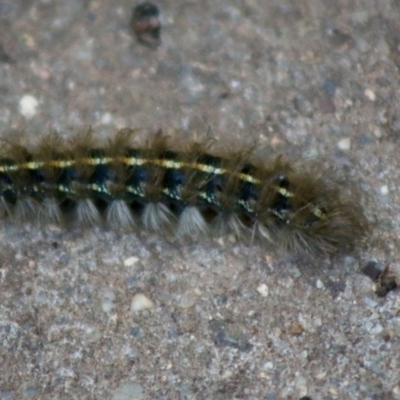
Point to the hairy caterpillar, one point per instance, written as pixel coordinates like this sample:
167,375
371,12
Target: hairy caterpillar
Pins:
192,189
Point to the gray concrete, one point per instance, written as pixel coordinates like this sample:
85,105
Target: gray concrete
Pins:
225,321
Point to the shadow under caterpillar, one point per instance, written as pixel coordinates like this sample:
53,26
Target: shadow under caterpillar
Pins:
191,189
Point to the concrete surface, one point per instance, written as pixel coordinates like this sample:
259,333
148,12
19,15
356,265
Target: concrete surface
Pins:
223,321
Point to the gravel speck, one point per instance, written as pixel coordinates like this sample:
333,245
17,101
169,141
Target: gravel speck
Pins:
141,302
263,290
344,144
31,392
128,391
28,106
370,94
320,284
107,303
7,395
384,190
131,261
137,331
295,272
301,385
92,335
188,300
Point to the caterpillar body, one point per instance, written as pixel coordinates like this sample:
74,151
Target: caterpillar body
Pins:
192,189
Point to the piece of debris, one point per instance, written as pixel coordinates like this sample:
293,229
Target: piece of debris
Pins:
146,24
384,279
5,57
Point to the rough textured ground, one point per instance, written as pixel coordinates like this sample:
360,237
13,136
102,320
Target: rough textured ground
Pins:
228,321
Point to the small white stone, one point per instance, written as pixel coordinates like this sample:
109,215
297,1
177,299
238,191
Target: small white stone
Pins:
384,190
344,144
141,302
131,261
268,365
235,84
263,290
220,241
370,94
377,132
106,118
304,354
320,284
321,375
28,106
317,322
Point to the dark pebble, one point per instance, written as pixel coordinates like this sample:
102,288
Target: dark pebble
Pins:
146,24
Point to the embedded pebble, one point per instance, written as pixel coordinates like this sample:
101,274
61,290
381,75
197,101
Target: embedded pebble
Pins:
295,329
287,282
321,375
145,22
131,261
301,385
370,302
137,331
92,335
320,284
31,392
263,290
370,94
350,262
188,300
7,395
311,154
28,106
128,391
344,144
109,294
384,190
106,118
295,272
131,281
141,302
268,365
107,302
42,298
376,330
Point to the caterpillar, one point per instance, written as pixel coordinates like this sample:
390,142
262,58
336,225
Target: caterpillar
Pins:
191,189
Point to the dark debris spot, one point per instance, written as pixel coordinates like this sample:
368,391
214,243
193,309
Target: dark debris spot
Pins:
372,270
336,288
146,24
5,57
337,37
384,279
136,331
329,87
222,338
